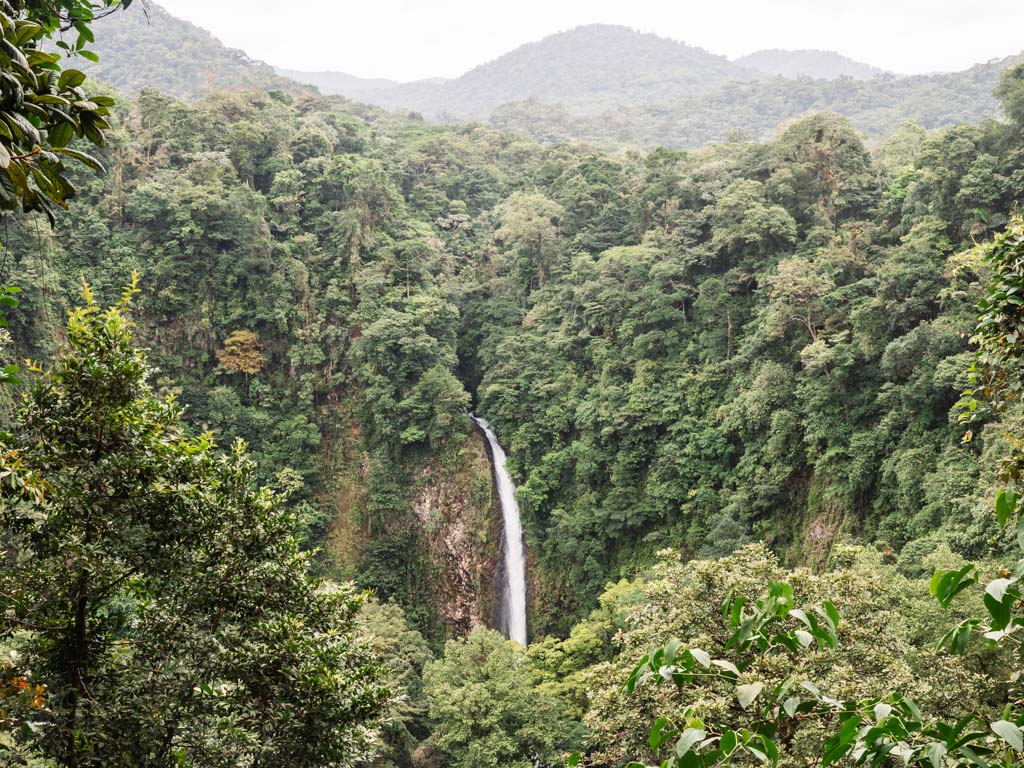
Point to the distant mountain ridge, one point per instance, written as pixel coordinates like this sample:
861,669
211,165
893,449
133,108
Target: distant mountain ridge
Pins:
756,110
588,68
591,66
606,85
823,65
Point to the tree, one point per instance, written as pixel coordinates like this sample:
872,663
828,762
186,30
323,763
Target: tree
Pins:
745,222
1011,92
486,712
764,682
8,373
824,170
796,294
528,224
44,108
404,652
996,384
158,600
403,361
995,374
242,353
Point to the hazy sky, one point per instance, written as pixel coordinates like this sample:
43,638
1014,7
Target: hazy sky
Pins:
409,39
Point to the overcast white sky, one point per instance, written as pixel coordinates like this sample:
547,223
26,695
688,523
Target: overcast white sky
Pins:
410,39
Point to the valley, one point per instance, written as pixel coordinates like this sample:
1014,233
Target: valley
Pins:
556,414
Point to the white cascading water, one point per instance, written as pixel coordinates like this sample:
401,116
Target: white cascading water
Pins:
513,606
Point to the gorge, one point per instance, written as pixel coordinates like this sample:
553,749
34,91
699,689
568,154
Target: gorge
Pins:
249,514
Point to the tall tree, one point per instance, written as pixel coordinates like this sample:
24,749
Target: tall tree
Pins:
486,711
528,225
1011,91
157,598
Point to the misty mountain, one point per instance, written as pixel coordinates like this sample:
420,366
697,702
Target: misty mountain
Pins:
421,95
339,82
755,110
587,69
606,85
822,65
140,49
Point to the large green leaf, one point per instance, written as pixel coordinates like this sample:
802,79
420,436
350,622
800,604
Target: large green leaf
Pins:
1010,733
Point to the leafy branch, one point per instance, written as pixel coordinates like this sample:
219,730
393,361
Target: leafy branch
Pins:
870,732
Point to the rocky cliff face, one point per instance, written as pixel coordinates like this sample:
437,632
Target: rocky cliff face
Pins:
455,511
460,521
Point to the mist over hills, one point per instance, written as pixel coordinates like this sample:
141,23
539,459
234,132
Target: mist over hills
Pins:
755,110
608,85
341,83
588,69
823,65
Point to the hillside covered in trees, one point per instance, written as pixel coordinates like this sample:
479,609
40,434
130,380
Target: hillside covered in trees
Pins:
145,46
724,341
246,519
756,109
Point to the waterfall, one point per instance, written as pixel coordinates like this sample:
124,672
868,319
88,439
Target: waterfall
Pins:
513,599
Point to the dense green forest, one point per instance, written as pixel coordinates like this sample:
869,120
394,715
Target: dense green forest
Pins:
760,340
245,519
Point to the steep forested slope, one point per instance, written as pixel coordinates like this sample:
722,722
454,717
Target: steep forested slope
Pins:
775,356
751,341
146,47
283,275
